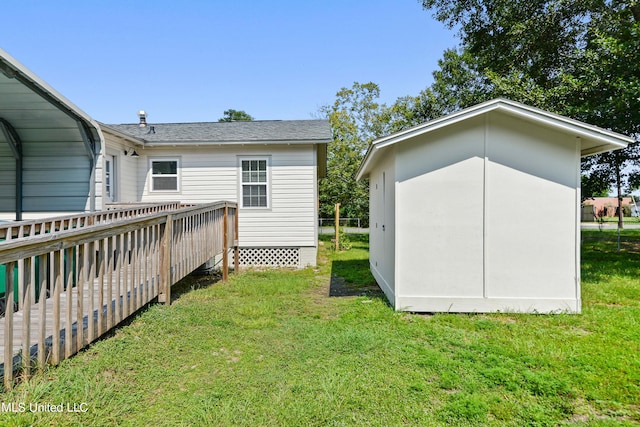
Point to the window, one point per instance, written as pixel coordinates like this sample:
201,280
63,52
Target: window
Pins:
110,178
254,183
164,175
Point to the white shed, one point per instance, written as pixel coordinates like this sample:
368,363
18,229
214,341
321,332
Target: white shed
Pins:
479,211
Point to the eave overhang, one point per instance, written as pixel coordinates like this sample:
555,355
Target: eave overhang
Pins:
593,140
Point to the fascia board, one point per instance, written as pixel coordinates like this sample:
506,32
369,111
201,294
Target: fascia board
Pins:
610,140
231,143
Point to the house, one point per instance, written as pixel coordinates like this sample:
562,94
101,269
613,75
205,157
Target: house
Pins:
479,211
56,160
271,168
608,206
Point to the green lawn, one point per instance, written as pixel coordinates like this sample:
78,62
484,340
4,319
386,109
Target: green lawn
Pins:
271,348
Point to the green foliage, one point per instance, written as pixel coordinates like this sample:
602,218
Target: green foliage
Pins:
344,243
357,118
594,185
355,122
572,58
235,116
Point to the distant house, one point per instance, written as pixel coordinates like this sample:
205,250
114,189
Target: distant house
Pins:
271,168
504,234
55,160
608,206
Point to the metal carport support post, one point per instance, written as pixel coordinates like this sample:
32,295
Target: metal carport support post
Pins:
15,144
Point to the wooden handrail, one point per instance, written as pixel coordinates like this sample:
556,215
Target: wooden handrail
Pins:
19,229
90,272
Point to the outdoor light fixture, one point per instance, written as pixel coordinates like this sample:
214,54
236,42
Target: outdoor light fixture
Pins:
131,152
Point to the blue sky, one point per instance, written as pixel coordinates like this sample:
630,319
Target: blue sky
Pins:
190,60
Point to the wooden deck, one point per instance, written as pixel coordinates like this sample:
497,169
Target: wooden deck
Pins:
74,281
99,316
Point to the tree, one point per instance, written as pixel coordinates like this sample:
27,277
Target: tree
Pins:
355,121
357,118
235,116
572,57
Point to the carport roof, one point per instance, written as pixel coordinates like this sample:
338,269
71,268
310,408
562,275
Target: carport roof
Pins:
593,139
28,102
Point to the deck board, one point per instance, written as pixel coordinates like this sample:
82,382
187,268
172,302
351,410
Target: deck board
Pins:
149,289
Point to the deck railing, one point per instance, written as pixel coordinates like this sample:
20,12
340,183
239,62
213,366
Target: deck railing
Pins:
114,212
71,284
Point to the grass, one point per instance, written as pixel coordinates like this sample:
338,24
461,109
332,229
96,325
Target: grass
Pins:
625,219
271,348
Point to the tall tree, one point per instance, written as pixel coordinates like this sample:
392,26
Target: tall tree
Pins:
355,121
571,57
357,118
235,116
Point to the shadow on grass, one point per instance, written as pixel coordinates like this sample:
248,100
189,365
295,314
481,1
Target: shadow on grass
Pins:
600,257
350,274
195,281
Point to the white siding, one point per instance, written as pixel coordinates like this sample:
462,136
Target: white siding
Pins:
126,173
212,173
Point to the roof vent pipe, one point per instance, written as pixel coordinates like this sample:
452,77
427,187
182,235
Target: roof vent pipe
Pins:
143,118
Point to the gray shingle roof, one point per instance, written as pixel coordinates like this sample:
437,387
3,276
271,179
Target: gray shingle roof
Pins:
264,131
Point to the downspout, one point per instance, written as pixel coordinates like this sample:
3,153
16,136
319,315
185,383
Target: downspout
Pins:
15,144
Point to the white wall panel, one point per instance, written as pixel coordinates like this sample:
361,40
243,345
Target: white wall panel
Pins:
531,214
440,214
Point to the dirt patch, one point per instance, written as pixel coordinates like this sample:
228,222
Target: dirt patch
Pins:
339,288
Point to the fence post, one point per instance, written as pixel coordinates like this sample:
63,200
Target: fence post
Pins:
164,294
225,245
337,227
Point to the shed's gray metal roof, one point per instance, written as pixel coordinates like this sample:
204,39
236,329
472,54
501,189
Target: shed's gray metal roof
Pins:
258,131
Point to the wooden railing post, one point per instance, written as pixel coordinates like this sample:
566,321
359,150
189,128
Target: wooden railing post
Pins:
225,245
164,294
29,281
236,249
8,325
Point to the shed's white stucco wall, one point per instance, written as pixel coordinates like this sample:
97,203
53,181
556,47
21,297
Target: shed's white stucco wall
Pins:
382,225
440,215
486,215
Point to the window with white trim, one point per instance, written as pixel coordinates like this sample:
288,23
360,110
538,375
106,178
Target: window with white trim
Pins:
164,175
254,183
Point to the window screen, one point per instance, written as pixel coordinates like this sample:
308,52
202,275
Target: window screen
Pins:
254,183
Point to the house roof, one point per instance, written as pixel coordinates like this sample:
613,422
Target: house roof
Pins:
593,140
28,102
240,132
